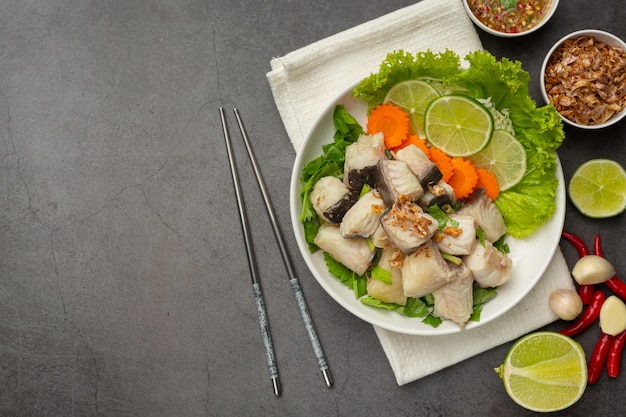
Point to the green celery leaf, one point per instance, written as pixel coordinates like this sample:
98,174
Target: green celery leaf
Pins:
479,297
429,300
501,245
381,274
482,295
414,307
433,321
337,269
375,302
475,316
480,234
442,217
360,286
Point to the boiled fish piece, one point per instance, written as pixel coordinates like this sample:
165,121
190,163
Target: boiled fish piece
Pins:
394,178
489,266
425,271
423,168
363,218
440,193
407,226
379,238
388,293
485,214
361,159
331,199
454,301
355,254
458,236
376,140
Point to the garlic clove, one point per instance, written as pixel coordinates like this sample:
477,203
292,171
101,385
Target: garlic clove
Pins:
592,269
613,316
565,303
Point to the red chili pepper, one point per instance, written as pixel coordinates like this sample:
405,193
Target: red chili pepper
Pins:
615,355
615,284
597,247
585,291
591,314
577,242
598,358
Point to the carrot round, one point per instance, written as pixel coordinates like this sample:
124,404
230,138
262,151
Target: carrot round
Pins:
392,121
489,182
464,179
443,162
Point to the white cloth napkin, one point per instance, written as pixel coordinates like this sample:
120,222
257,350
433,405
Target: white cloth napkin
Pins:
304,81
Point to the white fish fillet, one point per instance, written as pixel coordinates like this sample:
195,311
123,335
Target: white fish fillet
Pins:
353,253
425,271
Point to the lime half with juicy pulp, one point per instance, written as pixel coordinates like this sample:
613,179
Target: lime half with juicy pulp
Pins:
458,125
598,188
504,157
544,371
413,97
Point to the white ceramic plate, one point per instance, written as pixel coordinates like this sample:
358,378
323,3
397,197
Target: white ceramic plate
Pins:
530,256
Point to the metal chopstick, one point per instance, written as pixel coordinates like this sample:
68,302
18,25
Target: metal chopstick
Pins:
256,285
293,280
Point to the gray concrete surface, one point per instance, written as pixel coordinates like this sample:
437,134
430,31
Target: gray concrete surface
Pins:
124,289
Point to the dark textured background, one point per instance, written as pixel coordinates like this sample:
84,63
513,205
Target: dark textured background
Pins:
124,289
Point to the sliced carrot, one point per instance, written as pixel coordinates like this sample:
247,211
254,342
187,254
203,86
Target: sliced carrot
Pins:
464,179
489,182
392,121
443,162
417,141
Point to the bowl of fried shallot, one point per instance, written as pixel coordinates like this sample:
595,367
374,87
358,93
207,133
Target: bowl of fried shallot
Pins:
584,77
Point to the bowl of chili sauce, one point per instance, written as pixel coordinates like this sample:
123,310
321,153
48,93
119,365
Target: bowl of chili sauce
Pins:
510,18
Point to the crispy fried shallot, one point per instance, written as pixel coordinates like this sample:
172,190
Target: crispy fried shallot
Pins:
585,80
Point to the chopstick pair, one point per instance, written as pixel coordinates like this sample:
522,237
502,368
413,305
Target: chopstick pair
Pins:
256,285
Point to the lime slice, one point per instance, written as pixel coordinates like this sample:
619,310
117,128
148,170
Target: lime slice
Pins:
458,125
413,97
504,157
598,188
544,371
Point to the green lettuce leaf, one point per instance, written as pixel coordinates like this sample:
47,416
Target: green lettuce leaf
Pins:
401,66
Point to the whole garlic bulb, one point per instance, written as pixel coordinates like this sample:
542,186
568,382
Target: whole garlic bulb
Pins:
565,303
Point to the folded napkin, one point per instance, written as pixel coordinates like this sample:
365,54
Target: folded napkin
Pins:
304,81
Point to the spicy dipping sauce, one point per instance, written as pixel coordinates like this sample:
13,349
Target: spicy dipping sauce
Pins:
509,16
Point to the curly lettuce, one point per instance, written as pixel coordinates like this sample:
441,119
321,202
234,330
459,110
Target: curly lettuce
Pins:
531,202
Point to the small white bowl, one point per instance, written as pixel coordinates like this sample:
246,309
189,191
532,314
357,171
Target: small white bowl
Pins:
547,16
599,35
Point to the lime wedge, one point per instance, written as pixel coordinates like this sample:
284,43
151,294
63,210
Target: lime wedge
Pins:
544,371
413,97
458,125
598,188
504,157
